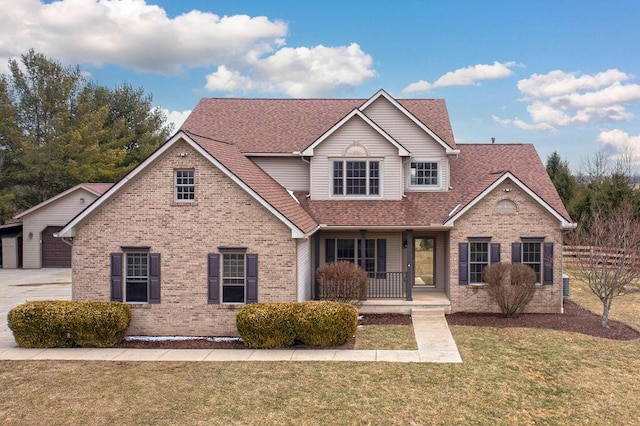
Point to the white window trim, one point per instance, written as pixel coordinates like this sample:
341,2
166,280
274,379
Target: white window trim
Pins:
488,243
414,187
344,177
175,186
125,276
541,263
222,277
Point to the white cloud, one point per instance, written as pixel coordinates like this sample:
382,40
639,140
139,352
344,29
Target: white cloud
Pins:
464,77
569,99
523,125
622,143
134,34
299,72
176,117
248,52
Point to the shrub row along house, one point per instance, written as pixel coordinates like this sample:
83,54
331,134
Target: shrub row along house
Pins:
252,195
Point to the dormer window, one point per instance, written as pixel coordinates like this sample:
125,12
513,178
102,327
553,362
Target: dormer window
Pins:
424,173
356,178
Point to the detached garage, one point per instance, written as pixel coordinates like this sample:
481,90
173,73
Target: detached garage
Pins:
40,248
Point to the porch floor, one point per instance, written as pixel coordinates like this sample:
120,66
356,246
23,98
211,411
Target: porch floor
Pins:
422,299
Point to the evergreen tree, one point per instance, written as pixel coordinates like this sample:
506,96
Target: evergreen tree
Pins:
561,177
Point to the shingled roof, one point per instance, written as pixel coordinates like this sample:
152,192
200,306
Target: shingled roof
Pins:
258,180
290,125
473,171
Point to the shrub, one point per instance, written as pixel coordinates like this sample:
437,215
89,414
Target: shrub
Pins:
325,323
277,324
342,282
512,286
62,323
267,325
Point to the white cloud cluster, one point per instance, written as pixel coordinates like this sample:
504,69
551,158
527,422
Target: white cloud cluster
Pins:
622,143
464,77
134,34
176,117
298,72
565,99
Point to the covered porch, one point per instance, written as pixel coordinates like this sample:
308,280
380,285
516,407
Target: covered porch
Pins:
406,268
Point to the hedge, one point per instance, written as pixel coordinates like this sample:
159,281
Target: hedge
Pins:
63,324
279,324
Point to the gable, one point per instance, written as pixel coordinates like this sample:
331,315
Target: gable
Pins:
367,129
233,164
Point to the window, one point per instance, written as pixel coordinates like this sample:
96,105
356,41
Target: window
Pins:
356,178
233,277
532,256
478,260
348,250
424,173
506,206
135,276
185,185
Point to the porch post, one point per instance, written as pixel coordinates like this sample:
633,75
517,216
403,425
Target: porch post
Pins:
411,276
316,265
363,249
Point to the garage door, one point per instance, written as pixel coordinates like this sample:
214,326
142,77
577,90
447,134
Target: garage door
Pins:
55,252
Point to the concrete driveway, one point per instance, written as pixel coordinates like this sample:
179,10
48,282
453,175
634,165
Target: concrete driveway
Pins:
20,285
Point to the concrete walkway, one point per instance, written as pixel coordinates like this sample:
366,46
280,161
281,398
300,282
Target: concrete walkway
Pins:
435,343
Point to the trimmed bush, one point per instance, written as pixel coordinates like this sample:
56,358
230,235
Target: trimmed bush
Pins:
267,325
278,324
64,324
325,323
511,286
342,282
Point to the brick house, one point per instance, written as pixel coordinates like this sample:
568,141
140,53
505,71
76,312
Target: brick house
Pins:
252,195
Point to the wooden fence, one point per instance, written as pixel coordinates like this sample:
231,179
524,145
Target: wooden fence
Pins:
612,256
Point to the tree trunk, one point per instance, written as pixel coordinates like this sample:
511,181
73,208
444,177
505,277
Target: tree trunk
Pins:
606,306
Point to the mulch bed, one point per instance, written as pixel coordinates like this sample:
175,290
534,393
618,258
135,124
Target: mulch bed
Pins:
575,318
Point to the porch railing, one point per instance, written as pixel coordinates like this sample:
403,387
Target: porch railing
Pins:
387,285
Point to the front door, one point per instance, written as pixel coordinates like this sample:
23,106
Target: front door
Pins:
425,262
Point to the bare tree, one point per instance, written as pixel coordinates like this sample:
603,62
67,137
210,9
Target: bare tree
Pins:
608,256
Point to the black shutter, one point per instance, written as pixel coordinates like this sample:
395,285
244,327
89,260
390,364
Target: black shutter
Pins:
116,277
495,252
516,253
213,278
252,278
463,263
548,263
381,255
154,277
330,250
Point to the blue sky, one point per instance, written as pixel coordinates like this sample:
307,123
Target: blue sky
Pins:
563,75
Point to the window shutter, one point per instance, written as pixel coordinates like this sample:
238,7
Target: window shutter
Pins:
495,252
252,278
116,277
516,253
381,255
330,250
154,277
463,263
213,278
548,263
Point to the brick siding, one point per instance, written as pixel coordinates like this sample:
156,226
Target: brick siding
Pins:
530,220
223,215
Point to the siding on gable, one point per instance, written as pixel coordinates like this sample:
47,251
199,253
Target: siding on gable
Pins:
57,213
408,134
304,269
292,173
333,148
